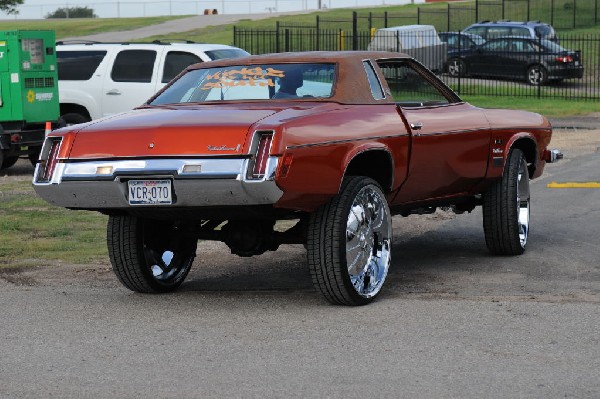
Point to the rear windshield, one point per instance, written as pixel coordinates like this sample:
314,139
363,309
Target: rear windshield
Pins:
544,31
78,65
251,82
226,53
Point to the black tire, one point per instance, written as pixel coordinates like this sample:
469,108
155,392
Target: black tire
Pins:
506,208
34,156
149,256
7,162
355,224
537,75
456,67
73,118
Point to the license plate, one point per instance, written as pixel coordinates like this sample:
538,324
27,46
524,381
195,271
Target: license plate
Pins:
149,192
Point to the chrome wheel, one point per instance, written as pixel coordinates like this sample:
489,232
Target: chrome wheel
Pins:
506,208
349,243
368,236
523,200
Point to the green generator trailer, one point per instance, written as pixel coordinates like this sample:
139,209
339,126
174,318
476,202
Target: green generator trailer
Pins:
28,93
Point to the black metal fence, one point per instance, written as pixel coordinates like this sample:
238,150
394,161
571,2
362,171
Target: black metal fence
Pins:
511,73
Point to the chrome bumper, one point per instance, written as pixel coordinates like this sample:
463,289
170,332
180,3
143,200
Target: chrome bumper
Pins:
195,182
552,156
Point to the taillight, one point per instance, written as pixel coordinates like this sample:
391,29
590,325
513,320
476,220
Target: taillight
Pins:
50,163
565,59
258,165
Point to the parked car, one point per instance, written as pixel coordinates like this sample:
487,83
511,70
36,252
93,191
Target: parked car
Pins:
532,29
460,41
537,61
337,141
100,79
419,41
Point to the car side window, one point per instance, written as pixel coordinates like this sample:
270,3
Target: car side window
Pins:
497,31
520,32
376,89
497,45
177,61
477,30
78,65
409,87
134,66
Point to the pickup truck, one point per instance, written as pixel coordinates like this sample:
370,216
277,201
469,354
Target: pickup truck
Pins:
337,142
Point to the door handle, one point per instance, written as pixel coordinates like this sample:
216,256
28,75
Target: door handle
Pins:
113,92
416,126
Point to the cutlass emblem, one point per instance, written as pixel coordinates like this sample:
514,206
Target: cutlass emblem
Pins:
223,148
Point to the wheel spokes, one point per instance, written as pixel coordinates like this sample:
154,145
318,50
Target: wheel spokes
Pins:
368,232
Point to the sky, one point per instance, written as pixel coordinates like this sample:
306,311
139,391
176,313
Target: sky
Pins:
38,9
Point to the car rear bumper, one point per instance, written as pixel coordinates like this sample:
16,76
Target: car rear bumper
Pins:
566,73
211,182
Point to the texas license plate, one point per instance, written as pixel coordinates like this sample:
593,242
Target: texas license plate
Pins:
149,192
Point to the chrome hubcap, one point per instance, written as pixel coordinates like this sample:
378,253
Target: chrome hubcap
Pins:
454,68
523,199
368,239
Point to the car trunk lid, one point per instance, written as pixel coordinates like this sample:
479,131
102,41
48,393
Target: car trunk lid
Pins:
168,132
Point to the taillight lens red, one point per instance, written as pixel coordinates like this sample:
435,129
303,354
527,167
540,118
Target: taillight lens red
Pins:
50,163
565,59
261,156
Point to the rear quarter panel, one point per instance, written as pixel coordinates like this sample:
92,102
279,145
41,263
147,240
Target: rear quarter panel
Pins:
324,144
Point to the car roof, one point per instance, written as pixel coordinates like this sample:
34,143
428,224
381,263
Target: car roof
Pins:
511,23
88,44
355,87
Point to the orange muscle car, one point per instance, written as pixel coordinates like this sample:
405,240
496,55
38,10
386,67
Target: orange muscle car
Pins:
338,141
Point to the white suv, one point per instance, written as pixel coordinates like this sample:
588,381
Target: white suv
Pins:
100,79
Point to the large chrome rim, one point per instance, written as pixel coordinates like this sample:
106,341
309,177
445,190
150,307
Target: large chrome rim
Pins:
523,201
368,241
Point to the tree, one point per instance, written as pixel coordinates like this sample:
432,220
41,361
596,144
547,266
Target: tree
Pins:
10,6
73,12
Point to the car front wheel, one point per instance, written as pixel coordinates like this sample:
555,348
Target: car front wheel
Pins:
456,67
149,256
349,243
506,208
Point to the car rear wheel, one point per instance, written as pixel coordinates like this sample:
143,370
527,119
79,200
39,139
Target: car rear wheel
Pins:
7,162
73,118
537,75
349,243
456,67
506,208
149,256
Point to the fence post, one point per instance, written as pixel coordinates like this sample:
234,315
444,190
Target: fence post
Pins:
354,31
277,40
448,19
318,33
385,19
552,13
477,10
418,15
235,42
528,10
370,20
287,40
574,13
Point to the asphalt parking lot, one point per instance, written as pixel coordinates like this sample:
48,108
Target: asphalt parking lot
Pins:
452,320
